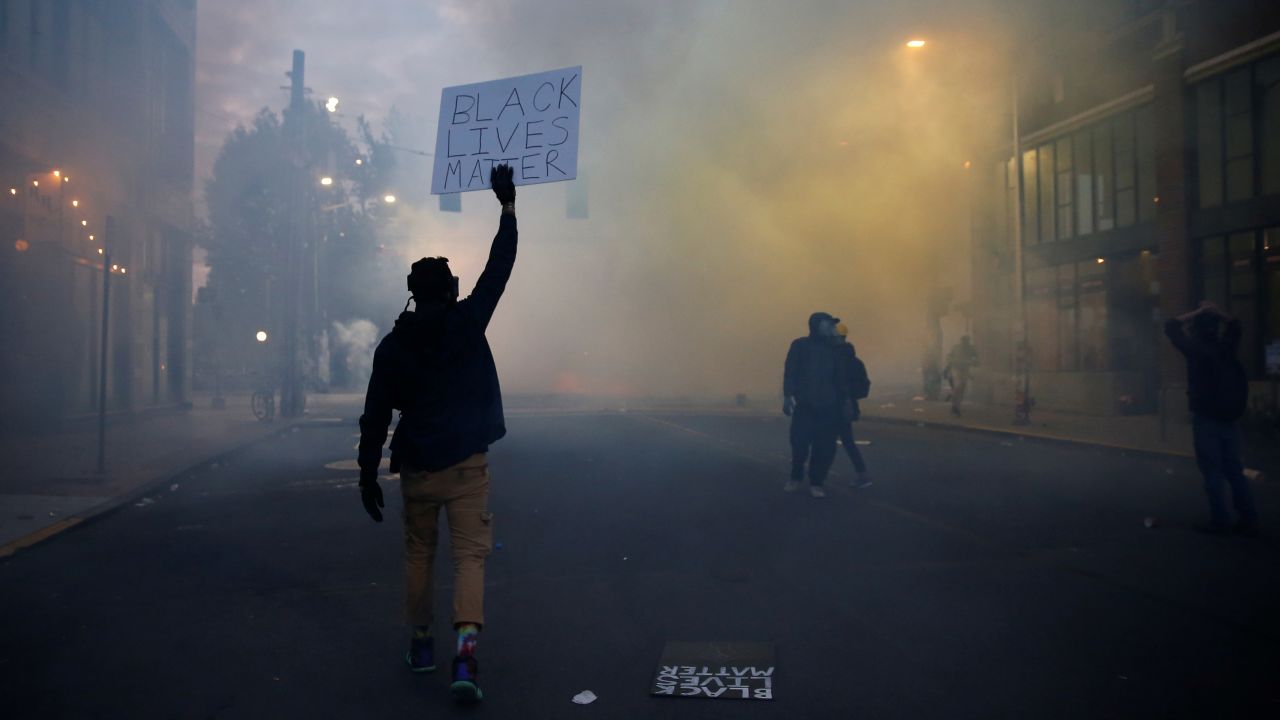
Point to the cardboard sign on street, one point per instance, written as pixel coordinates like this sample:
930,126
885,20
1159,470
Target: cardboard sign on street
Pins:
528,122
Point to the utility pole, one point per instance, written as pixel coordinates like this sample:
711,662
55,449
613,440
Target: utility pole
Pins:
291,391
108,237
1021,349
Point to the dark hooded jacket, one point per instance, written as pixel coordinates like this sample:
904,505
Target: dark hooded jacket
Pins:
1217,385
436,368
813,374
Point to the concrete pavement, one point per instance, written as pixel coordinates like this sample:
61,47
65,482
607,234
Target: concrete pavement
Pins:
976,578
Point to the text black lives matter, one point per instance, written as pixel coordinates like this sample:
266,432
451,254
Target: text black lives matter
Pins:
529,146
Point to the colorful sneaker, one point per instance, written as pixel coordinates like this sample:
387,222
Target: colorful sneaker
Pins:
466,685
421,656
817,491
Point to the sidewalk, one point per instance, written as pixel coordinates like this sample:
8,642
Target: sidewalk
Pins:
49,483
1140,433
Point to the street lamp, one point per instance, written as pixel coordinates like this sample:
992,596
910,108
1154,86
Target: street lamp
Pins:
389,199
331,104
326,181
915,43
261,336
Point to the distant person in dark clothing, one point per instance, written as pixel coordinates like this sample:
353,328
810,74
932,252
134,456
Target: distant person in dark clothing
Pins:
814,393
859,386
1218,391
961,361
436,368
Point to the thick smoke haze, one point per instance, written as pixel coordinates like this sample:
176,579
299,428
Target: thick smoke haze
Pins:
747,163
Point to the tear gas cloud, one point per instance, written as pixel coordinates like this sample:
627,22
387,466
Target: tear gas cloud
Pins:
747,163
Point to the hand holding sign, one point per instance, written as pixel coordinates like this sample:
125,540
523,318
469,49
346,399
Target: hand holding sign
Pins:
529,123
503,187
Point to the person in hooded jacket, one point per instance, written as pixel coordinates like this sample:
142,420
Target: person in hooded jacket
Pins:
859,386
436,368
814,393
1218,392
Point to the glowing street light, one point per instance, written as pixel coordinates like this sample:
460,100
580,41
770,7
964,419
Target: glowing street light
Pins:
13,191
326,181
359,161
90,237
84,223
331,104
35,183
915,43
124,271
57,173
261,336
75,203
389,199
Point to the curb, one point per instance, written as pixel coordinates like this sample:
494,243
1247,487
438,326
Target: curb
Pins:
113,503
1008,432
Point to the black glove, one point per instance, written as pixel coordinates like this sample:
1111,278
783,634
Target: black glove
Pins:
503,186
371,496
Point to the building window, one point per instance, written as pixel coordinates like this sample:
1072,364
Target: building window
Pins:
1126,168
1268,86
1082,148
1271,313
1045,164
1241,274
1242,284
1239,137
1030,206
1209,142
1068,353
1042,318
1147,191
1064,184
1103,179
1091,294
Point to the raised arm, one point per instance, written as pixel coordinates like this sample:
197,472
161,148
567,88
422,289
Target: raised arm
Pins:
483,300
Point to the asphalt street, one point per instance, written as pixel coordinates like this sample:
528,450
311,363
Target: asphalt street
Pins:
979,577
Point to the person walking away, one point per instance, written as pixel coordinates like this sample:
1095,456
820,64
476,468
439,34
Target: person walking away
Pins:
436,368
813,393
859,386
1218,392
962,359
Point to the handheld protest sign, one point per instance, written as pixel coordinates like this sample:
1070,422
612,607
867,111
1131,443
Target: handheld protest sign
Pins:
528,122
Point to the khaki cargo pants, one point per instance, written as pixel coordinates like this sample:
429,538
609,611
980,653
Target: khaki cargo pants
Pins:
463,492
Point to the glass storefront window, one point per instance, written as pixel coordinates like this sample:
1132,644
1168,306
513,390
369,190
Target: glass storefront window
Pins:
1147,191
1213,270
1091,306
1242,284
1042,325
1067,351
1271,278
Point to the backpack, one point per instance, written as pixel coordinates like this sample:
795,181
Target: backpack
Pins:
860,385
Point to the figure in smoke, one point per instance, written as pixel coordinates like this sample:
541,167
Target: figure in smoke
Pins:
961,361
814,393
436,368
1218,392
859,386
